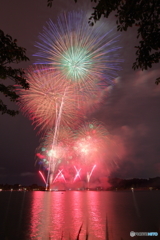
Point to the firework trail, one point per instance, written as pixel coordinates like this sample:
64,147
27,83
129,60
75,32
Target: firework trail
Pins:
52,163
58,174
89,174
77,174
42,177
62,176
65,137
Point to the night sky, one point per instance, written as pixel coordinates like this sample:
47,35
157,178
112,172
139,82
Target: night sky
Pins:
130,112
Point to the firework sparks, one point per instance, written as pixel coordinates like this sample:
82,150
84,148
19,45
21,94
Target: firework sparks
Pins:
48,99
89,174
77,174
75,68
54,150
61,176
91,142
42,177
82,54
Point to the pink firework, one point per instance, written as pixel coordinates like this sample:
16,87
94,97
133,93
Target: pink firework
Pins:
49,98
54,149
59,175
91,142
89,174
42,177
77,174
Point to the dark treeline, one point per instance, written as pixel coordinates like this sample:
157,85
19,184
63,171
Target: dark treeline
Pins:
17,187
134,183
115,184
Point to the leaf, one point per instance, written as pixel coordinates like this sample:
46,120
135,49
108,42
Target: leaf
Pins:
10,53
157,81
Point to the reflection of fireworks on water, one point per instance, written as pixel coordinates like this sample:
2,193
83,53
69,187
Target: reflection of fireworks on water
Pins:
91,142
47,94
82,54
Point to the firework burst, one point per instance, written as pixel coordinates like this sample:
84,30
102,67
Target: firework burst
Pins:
48,99
55,149
91,142
75,68
83,55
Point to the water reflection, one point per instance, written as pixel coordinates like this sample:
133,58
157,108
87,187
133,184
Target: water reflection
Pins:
61,214
120,213
38,209
104,215
57,213
96,218
78,216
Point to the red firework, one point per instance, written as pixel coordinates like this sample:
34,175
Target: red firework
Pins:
91,142
55,148
49,99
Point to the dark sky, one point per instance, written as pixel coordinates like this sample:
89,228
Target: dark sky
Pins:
130,112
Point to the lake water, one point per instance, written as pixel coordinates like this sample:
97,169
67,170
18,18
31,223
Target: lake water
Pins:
59,215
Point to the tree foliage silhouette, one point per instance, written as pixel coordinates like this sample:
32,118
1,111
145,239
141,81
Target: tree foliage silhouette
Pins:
142,14
11,54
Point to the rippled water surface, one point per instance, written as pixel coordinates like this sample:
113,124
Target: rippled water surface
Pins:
60,215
